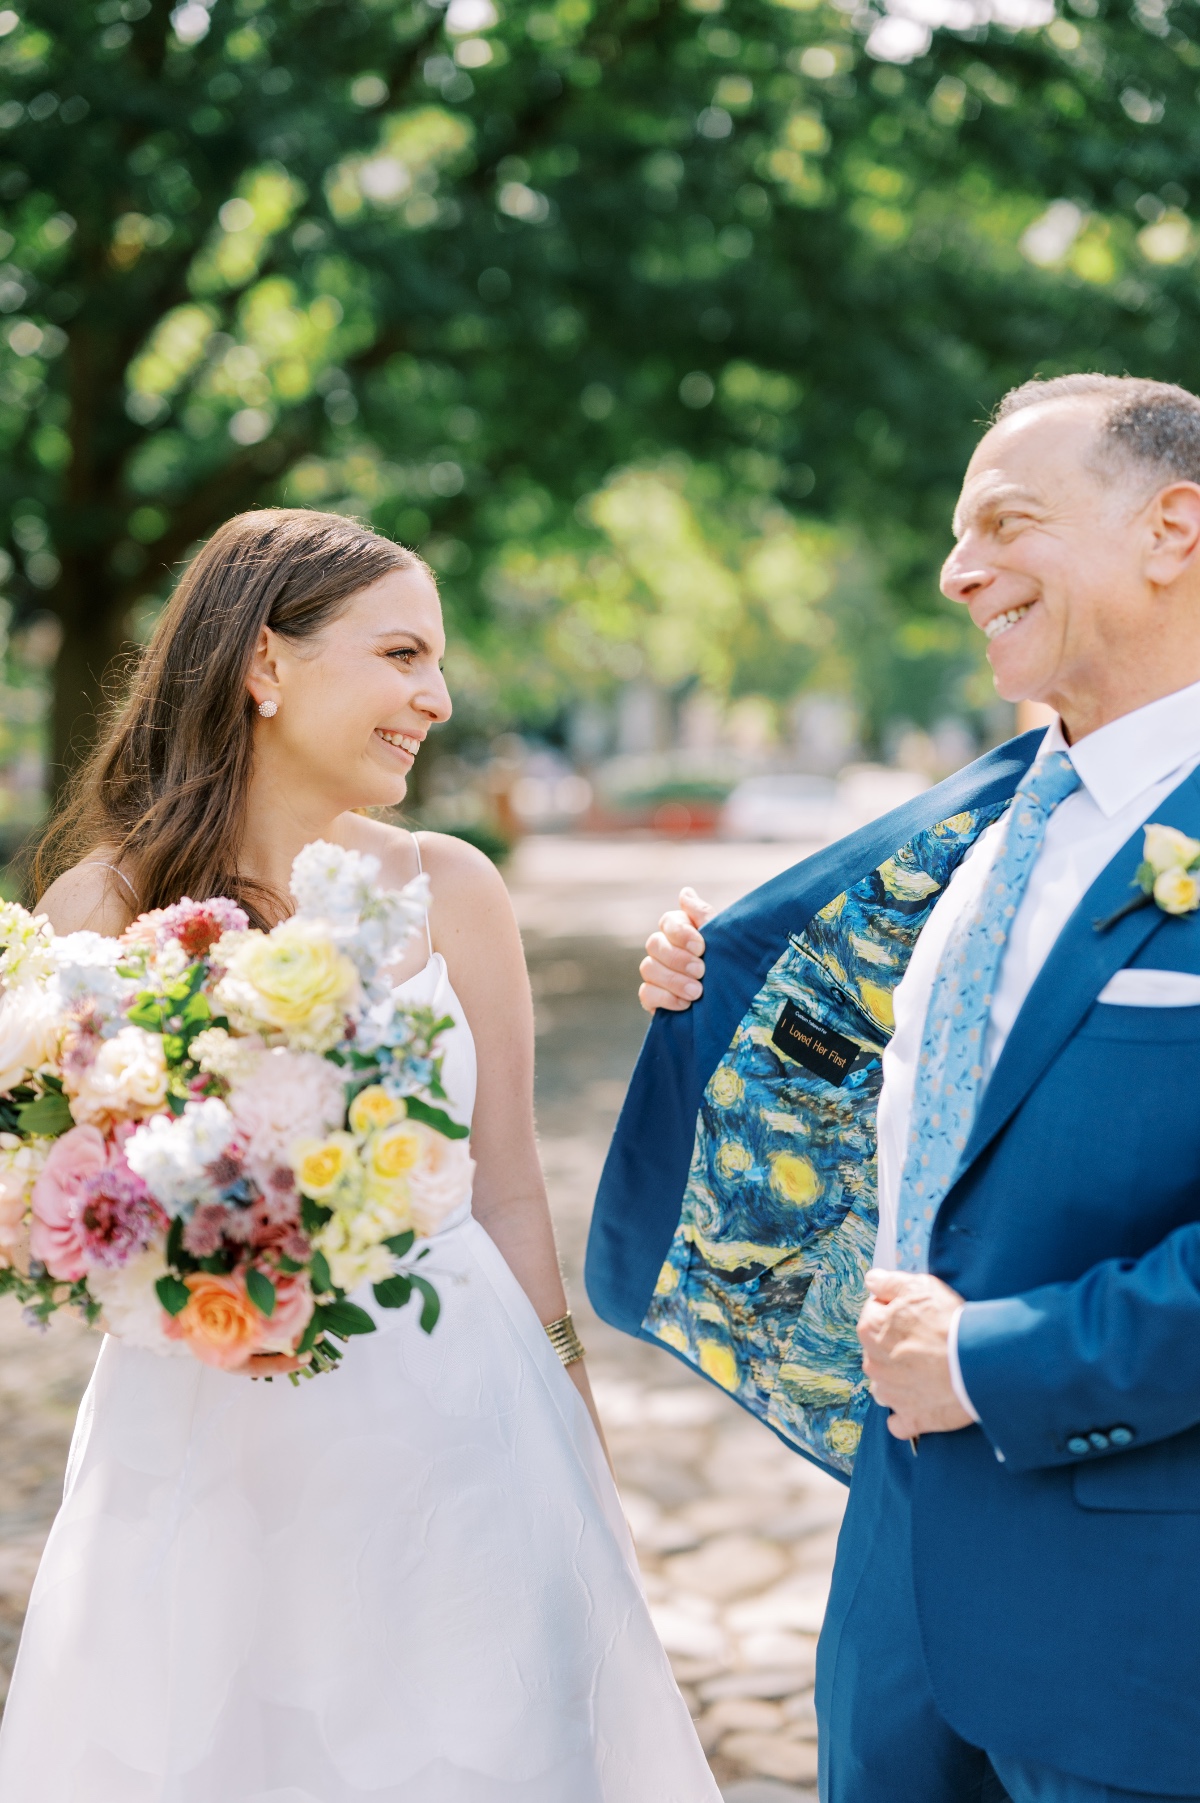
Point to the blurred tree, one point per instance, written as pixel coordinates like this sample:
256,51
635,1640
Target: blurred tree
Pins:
453,269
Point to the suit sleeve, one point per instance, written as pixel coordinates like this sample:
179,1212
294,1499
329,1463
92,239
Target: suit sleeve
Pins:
1102,1365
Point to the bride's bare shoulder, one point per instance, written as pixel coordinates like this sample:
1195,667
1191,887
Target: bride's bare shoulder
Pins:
460,873
92,896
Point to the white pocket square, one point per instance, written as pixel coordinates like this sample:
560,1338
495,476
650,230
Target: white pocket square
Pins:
1152,989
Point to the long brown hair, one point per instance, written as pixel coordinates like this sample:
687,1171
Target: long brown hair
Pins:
164,789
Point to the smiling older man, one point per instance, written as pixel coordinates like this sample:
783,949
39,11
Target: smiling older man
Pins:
982,985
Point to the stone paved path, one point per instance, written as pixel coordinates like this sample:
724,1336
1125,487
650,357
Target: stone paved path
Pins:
735,1533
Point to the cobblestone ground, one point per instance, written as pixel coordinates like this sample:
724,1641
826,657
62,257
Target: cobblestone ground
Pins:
735,1534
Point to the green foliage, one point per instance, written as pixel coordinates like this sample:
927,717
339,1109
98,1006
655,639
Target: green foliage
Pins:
261,1291
48,1116
452,271
437,1118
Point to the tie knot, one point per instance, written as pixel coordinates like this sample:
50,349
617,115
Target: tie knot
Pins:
1050,781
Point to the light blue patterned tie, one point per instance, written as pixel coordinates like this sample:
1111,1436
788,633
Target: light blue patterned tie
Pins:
949,1076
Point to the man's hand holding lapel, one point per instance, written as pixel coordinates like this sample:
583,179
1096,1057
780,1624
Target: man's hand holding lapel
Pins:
905,1330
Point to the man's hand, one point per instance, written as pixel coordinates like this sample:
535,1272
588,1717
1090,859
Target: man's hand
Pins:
904,1328
673,969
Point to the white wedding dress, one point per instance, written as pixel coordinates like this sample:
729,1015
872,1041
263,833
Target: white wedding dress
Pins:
409,1581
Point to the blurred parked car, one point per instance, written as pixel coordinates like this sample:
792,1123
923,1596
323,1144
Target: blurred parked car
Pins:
781,807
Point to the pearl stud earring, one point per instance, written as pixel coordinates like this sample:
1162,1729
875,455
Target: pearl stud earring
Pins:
268,709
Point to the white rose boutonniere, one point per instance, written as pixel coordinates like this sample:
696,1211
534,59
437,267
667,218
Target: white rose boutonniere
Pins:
1168,876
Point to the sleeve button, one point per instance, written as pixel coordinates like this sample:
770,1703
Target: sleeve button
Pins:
1078,1445
1120,1436
1098,1440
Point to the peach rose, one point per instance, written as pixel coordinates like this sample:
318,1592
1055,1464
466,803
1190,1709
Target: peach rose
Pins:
220,1324
58,1199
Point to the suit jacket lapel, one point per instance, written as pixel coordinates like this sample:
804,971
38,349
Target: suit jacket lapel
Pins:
1080,964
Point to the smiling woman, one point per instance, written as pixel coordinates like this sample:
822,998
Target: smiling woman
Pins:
340,629
418,1587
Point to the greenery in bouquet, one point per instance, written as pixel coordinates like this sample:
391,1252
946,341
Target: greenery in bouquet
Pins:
211,1135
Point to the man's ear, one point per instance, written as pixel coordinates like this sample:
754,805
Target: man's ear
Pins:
1175,532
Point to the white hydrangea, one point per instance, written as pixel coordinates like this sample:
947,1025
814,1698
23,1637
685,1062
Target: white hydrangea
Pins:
132,1311
85,966
170,1156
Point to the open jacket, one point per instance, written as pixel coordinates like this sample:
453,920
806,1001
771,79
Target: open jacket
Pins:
1057,1545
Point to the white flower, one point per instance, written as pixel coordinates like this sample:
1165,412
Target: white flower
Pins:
30,1028
26,939
170,1155
1177,891
86,969
125,1080
1166,848
332,883
285,1096
132,1311
440,1183
222,1054
354,1250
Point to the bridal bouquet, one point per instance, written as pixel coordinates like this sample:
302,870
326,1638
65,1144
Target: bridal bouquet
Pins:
210,1135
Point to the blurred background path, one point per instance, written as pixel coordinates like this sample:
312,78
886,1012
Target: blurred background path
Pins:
735,1534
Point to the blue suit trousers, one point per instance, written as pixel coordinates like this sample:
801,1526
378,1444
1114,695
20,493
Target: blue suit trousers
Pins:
882,1737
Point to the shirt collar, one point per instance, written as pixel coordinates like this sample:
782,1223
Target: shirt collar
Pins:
1118,761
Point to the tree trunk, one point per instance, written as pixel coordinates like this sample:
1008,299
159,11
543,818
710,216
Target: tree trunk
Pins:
95,644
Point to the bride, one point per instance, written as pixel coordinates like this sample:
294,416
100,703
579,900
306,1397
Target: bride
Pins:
409,1581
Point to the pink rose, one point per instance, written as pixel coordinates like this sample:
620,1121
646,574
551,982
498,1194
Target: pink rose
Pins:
293,1307
58,1200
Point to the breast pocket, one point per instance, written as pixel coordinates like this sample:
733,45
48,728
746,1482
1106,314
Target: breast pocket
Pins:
1142,1024
1163,1479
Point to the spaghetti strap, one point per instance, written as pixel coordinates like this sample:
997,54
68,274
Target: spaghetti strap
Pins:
99,864
421,872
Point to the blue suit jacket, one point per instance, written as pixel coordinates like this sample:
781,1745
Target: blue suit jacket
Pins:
1057,1546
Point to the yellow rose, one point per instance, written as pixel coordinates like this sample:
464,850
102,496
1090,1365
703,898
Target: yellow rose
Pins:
390,1155
325,1165
1167,850
1177,891
373,1108
293,981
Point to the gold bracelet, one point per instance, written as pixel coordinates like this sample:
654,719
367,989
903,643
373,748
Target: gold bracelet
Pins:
565,1341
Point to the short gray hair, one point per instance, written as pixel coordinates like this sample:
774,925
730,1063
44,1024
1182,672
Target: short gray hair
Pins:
1153,426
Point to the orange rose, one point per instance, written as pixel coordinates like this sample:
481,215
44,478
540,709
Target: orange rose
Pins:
221,1325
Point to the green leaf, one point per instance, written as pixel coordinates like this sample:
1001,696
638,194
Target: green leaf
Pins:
308,1337
173,1294
344,1319
48,1116
196,1010
393,1292
290,1265
261,1291
432,1306
1143,876
313,1215
321,1278
437,1118
400,1243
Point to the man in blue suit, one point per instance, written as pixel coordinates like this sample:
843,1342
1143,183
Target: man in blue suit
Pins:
998,990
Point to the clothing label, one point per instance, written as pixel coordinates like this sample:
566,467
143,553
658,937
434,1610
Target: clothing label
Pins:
831,1056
